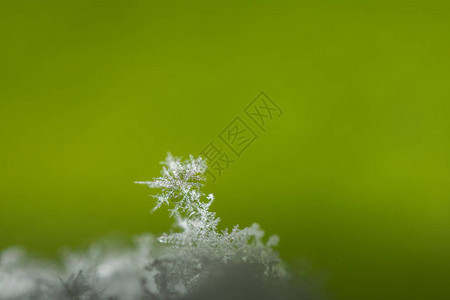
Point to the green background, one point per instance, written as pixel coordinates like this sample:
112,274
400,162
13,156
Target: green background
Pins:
354,176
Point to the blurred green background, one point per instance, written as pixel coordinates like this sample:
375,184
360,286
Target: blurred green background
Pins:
354,176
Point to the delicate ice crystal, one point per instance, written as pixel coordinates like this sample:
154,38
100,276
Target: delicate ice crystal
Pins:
183,265
181,184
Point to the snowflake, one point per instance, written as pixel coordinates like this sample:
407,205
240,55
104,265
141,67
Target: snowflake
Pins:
181,184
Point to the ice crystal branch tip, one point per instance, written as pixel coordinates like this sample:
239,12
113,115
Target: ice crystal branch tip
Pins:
180,183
